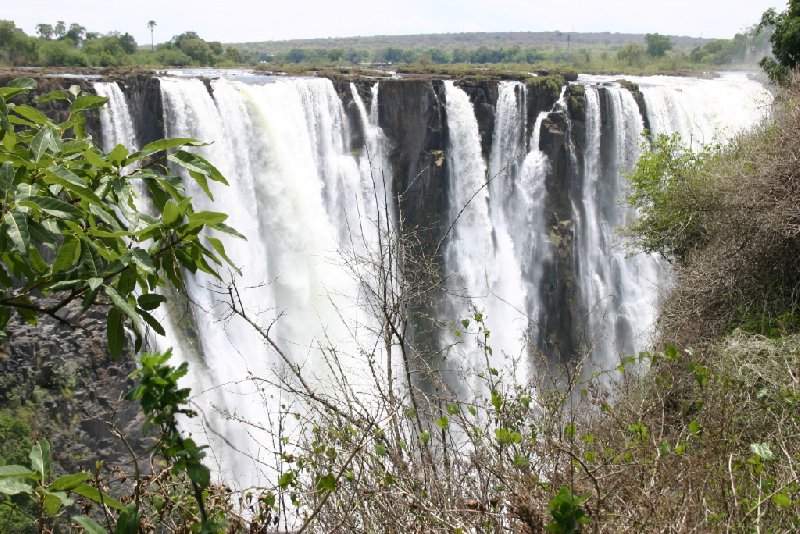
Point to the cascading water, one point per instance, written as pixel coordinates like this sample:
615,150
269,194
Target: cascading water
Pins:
479,251
315,210
619,292
298,195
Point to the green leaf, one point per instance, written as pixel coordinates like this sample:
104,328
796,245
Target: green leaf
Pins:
30,113
6,178
89,526
171,213
143,260
762,450
53,206
782,500
91,493
152,322
166,144
16,471
326,484
128,521
121,303
96,159
209,218
199,474
72,182
23,83
54,500
118,154
68,254
17,224
40,458
14,486
84,102
115,332
195,163
40,143
69,482
286,479
151,301
53,95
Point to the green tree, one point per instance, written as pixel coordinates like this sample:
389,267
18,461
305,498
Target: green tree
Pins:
45,31
64,199
785,41
60,29
631,54
151,25
16,48
75,33
657,45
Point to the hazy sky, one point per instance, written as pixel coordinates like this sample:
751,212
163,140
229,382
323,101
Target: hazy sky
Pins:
254,20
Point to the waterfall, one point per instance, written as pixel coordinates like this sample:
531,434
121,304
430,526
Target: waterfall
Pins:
115,118
320,221
299,196
619,292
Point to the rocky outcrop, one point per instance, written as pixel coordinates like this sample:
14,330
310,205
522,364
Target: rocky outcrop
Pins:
60,374
144,100
483,94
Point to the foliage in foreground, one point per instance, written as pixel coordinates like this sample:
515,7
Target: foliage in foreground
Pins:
729,219
76,228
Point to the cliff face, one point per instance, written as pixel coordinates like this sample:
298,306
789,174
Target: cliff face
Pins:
412,115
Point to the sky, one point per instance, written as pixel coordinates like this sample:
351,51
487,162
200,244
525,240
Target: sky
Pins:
233,21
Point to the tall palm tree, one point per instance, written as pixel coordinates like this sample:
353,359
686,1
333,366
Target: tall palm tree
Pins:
151,24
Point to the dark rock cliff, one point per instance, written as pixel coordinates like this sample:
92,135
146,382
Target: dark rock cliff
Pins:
61,378
412,115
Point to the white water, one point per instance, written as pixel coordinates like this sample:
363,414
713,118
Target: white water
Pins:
299,196
318,220
621,292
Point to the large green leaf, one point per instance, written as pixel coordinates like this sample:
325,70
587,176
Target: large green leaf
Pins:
32,114
40,143
16,471
40,458
151,301
6,178
23,83
166,144
152,322
121,303
69,482
118,154
90,492
171,213
53,206
128,521
84,102
68,254
17,228
14,486
54,500
143,260
72,183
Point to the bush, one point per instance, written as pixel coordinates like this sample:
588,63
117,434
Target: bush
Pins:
729,217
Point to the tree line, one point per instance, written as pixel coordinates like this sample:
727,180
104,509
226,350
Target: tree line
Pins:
62,45
72,45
